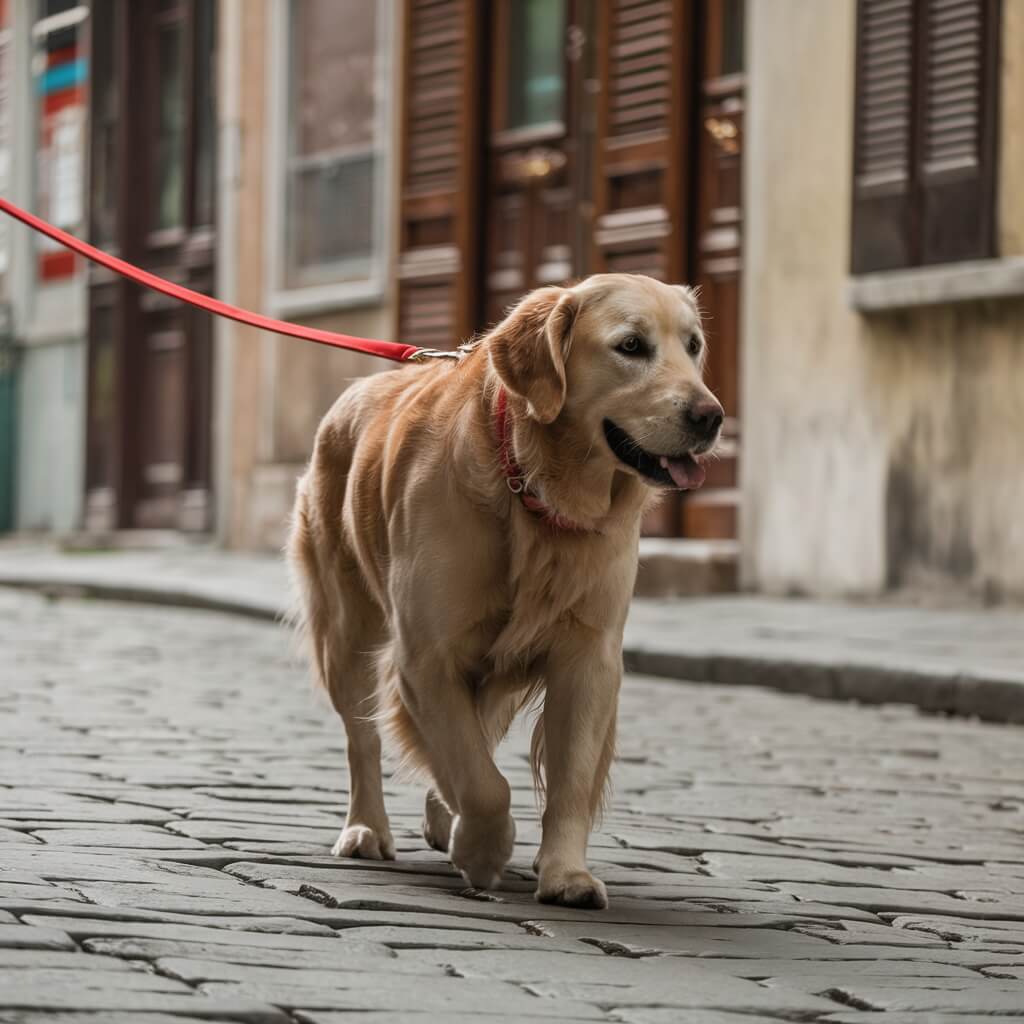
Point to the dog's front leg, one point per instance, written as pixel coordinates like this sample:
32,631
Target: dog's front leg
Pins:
579,744
452,743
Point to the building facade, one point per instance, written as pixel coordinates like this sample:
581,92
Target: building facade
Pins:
883,308
43,150
544,140
412,176
406,169
308,167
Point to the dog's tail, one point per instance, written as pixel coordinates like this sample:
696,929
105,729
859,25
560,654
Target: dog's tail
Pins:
309,615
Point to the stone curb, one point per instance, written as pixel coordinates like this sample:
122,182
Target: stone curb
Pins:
173,598
990,699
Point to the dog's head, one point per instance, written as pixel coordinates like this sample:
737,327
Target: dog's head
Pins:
621,356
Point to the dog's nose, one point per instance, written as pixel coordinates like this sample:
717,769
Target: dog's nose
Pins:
705,417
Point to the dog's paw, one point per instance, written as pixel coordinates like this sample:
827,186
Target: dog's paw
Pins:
437,822
572,889
481,847
365,843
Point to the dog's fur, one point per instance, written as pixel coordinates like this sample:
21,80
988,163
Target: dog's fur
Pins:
437,604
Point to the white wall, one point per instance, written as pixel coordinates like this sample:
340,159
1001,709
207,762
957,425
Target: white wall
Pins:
50,437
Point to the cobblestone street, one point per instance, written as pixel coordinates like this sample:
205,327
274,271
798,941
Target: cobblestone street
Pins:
171,782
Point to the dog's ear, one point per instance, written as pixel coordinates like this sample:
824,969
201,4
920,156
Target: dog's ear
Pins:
529,347
691,295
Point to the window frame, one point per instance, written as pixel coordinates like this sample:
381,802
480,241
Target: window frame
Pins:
346,292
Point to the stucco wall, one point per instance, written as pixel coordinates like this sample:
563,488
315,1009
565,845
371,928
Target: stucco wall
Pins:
884,450
51,428
279,388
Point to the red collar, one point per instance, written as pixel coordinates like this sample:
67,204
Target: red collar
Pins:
515,476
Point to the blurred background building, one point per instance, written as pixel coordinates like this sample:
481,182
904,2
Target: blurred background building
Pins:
842,180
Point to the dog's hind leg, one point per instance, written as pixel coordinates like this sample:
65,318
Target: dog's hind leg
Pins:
437,821
351,680
345,628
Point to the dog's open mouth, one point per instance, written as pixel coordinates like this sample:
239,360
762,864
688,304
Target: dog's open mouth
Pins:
682,471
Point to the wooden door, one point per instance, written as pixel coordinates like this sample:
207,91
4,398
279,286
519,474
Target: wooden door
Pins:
439,210
717,258
644,155
152,199
608,137
537,180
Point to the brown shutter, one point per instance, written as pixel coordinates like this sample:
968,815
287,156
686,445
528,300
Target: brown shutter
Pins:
881,234
924,132
960,58
438,249
645,64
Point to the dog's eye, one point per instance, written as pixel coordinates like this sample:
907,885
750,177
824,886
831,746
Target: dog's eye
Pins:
694,345
631,346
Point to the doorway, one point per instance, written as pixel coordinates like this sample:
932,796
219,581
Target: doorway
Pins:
152,201
544,140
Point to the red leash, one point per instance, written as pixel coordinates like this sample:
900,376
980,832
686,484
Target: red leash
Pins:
385,349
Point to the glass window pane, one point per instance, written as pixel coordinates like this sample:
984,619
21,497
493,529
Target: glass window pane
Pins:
52,7
61,38
536,80
334,74
331,160
732,36
170,179
105,122
205,123
331,218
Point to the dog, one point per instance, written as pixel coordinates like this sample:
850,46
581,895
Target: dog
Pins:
464,543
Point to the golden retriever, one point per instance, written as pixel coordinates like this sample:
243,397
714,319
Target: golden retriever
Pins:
465,539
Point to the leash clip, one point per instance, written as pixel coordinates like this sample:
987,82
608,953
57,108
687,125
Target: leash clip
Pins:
422,354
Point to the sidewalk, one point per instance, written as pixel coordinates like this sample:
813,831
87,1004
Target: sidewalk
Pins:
968,661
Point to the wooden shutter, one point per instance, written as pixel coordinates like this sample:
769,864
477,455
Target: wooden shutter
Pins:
883,136
439,243
959,75
645,63
924,132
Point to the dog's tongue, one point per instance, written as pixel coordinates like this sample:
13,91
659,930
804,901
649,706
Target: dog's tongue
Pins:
687,473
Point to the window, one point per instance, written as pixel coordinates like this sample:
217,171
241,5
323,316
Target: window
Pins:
204,115
106,118
167,200
60,69
332,126
536,85
924,132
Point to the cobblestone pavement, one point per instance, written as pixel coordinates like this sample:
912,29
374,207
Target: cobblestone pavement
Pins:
170,784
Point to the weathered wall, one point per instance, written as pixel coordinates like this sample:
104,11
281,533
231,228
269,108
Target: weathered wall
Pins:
880,450
49,328
51,425
280,388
